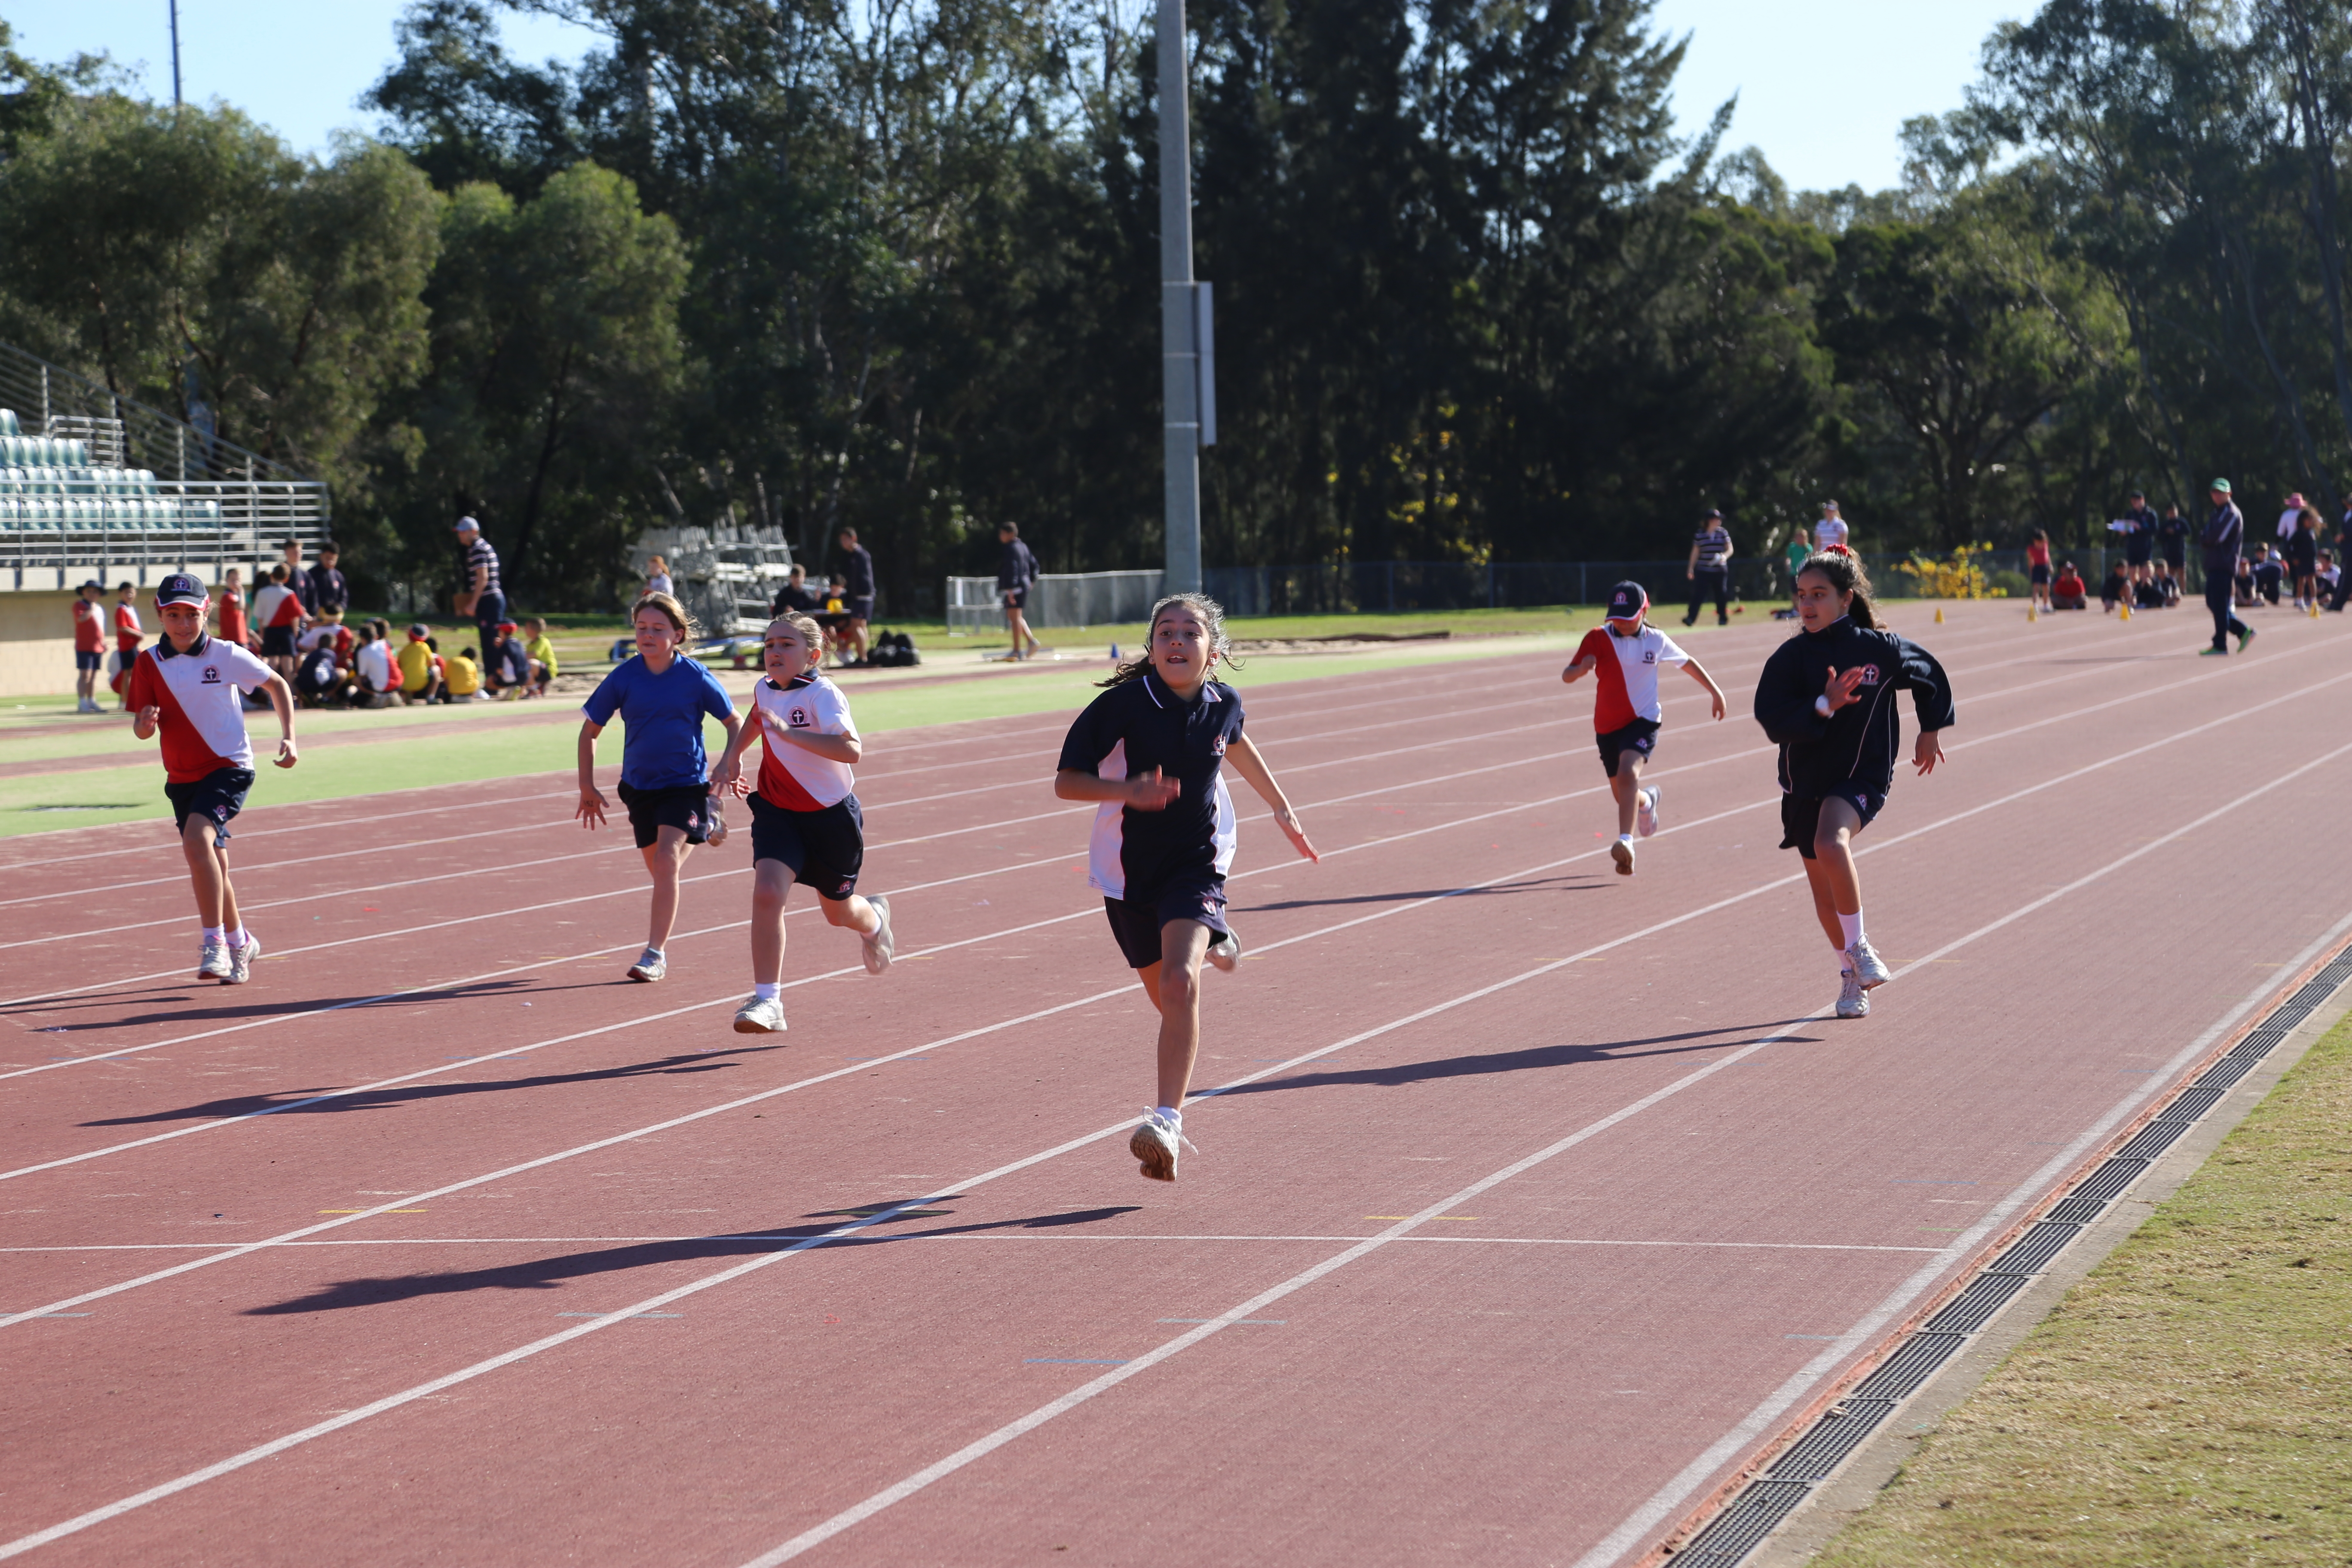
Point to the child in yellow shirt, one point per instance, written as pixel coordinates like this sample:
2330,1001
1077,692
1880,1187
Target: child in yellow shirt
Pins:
542,654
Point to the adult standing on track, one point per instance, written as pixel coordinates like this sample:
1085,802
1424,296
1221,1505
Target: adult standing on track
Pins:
2140,544
857,582
2224,537
1831,530
1016,570
1710,569
484,598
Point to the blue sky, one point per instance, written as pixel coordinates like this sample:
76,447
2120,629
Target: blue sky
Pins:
1824,85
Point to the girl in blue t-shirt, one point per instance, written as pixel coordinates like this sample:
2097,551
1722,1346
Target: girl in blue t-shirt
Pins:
672,799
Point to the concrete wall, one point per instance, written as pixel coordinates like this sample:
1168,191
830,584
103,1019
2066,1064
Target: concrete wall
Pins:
37,643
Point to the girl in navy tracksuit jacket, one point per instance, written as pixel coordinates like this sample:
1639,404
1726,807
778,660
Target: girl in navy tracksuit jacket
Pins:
1827,696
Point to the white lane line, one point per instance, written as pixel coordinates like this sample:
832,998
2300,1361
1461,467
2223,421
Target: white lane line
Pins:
1626,1535
716,1236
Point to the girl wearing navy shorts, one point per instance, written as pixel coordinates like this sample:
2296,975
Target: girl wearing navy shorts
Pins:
1827,696
662,695
2037,566
1628,652
1151,751
805,823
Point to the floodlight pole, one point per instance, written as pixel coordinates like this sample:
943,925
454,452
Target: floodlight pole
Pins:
1180,366
175,54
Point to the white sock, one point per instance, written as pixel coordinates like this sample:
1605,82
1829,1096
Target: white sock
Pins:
1852,925
657,953
1624,838
212,933
239,938
766,993
1171,1115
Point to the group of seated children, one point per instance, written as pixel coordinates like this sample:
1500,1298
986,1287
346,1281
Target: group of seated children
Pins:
2262,576
340,667
2159,590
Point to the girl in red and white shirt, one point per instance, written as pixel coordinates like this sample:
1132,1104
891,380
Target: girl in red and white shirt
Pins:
1626,712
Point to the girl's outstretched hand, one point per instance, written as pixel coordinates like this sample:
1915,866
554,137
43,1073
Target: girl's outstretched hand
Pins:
1928,751
591,811
1841,689
1149,792
1287,820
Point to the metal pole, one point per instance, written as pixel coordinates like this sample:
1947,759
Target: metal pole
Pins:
175,54
1179,366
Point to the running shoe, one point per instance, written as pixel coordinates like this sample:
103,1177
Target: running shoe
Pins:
1870,968
213,963
883,942
1154,1146
1622,853
650,966
2214,652
240,959
1645,813
1853,1002
718,831
1225,953
760,1017
2244,637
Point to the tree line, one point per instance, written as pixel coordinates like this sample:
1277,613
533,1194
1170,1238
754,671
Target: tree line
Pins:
892,264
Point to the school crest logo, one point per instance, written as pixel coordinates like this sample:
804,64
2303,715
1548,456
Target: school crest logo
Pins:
212,675
1649,655
1870,675
798,718
1217,747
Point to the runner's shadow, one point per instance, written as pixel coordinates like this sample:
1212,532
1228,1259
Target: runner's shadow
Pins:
1582,882
371,1100
1534,1056
550,1273
244,1009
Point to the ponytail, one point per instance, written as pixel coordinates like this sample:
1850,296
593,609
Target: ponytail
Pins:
1841,568
1213,619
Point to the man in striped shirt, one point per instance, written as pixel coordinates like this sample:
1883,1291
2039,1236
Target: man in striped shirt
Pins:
483,595
1710,569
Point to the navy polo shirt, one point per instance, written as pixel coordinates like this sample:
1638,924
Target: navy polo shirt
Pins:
1132,729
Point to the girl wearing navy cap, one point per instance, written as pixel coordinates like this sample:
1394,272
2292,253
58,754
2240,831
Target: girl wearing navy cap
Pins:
1626,710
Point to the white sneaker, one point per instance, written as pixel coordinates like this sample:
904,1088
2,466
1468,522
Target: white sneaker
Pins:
1853,1002
1645,813
240,959
884,941
1225,953
717,834
650,966
213,963
1868,967
1154,1143
1622,853
760,1017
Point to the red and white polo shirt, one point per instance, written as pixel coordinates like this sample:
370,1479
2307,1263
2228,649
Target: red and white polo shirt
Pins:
1627,670
790,778
201,695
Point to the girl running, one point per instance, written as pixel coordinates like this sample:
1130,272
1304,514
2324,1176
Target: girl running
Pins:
805,823
1151,749
662,695
1827,696
2037,566
1626,712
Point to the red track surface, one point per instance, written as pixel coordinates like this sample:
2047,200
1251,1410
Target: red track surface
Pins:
1541,1200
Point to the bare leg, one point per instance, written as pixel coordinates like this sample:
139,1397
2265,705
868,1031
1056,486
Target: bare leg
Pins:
852,913
1833,854
666,858
208,870
1174,986
772,884
1022,636
1627,787
1824,905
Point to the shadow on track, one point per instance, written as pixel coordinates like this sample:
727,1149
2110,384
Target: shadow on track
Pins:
1579,883
548,1273
521,985
256,1104
1534,1056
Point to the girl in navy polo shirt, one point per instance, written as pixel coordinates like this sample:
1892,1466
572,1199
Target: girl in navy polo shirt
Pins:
662,695
1151,751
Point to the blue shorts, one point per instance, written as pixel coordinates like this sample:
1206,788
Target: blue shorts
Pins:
1136,922
85,660
216,796
825,848
1640,737
1800,814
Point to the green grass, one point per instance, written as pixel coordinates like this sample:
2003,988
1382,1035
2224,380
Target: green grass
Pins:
449,746
2191,1402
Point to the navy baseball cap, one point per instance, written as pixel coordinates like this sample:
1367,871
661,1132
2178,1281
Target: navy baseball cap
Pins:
1626,601
179,588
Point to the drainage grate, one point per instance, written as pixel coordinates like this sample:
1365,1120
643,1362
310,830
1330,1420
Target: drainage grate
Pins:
2076,1211
1837,1433
2193,1102
2035,1249
1748,1521
1971,1308
2154,1138
1909,1367
2109,1179
2226,1071
2260,1043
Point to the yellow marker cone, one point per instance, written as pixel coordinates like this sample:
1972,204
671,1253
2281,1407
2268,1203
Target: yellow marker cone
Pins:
1939,614
2032,614
2314,609
2123,608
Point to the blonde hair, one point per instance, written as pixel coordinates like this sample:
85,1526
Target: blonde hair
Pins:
668,605
811,636
1212,620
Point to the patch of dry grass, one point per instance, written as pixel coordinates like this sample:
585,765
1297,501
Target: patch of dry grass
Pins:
2190,1403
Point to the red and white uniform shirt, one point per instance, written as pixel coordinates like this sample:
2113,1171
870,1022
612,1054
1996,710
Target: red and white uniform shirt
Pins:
790,776
275,605
90,627
201,695
1627,668
127,631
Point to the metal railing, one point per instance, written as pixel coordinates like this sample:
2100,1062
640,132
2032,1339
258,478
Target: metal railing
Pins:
1056,599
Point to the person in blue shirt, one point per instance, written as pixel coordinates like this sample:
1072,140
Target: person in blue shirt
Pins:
672,799
1151,751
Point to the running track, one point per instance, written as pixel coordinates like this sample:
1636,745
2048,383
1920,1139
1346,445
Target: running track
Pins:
1537,1203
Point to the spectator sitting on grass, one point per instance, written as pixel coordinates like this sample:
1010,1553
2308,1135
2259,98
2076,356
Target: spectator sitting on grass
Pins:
2118,588
2330,578
461,677
375,678
506,671
2069,591
2166,585
420,666
2241,587
2270,572
541,655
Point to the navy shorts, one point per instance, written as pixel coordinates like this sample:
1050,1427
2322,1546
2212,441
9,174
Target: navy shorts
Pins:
686,808
824,848
2137,549
277,642
216,796
1017,598
2040,576
1136,922
862,607
1640,737
1800,814
85,660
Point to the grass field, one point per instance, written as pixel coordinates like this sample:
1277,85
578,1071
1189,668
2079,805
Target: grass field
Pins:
2190,1403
